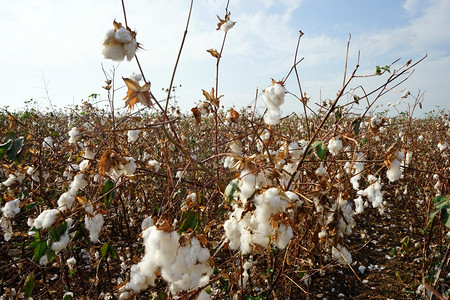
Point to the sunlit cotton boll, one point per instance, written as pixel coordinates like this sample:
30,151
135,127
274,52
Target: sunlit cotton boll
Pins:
63,241
339,253
45,219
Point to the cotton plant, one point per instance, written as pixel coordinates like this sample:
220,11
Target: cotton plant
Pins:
394,163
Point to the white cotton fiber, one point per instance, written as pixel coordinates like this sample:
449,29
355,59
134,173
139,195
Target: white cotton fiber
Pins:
335,145
45,219
60,245
133,135
94,225
11,208
74,135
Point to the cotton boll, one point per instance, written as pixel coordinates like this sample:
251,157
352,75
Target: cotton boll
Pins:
406,93
94,226
114,52
66,200
130,49
74,135
130,167
71,262
43,260
77,183
359,203
273,96
123,36
320,171
337,255
137,78
11,208
272,117
335,145
147,223
45,219
227,25
83,164
394,172
442,146
133,135
10,181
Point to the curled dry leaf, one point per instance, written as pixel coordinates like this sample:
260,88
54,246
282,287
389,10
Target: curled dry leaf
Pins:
234,116
212,98
197,115
137,93
213,52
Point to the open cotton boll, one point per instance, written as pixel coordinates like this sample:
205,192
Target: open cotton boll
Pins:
394,172
130,49
11,208
11,180
114,52
338,257
359,203
74,135
94,226
66,200
43,260
136,77
130,167
273,96
227,25
272,117
320,171
122,35
154,165
335,145
133,135
45,219
77,183
71,262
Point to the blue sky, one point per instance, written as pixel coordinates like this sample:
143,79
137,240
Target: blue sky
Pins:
55,46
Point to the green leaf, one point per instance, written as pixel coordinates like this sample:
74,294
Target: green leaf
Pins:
356,125
107,187
190,220
40,250
386,68
113,252
5,147
321,150
29,285
30,206
68,297
50,254
442,204
104,250
338,113
15,148
378,70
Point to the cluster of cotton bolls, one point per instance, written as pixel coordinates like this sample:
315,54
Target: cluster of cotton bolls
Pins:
394,171
9,211
373,194
355,168
182,261
273,97
119,43
120,169
337,219
247,227
66,199
93,223
74,135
